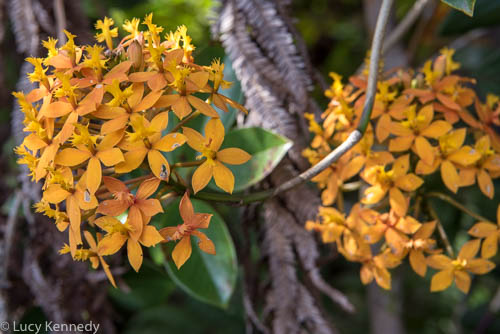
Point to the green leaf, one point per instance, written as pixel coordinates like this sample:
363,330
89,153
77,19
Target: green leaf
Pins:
486,14
267,150
209,278
466,6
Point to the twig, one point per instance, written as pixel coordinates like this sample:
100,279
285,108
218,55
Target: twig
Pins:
60,15
458,205
185,120
404,25
442,232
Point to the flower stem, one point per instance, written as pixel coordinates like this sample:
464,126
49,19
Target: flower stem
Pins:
188,163
458,205
185,120
442,232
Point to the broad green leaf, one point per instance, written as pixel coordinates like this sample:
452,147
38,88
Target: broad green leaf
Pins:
267,150
151,286
466,6
209,278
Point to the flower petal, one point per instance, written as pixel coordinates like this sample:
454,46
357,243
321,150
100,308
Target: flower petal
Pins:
441,280
134,252
398,202
223,177
170,142
233,156
485,183
94,175
205,243
135,220
147,188
480,266
202,175
111,157
424,150
111,243
450,176
469,249
214,131
409,182
158,164
436,129
148,101
71,157
133,160
150,236
417,262
186,208
194,139
182,251
202,106
400,144
439,261
462,280
490,246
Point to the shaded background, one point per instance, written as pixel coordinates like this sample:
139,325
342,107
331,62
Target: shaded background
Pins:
337,35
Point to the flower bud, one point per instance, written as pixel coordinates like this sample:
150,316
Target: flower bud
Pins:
134,53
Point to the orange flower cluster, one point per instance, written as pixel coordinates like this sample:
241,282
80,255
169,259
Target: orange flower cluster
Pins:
99,114
421,124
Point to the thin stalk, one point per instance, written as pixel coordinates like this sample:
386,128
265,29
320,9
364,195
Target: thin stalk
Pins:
188,163
185,120
442,232
458,205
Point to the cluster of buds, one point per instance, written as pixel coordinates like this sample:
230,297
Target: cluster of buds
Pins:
421,124
99,114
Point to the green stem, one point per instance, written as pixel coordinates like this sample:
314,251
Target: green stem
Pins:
185,120
188,163
442,232
458,205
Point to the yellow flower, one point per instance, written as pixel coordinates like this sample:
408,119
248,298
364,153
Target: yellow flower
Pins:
459,268
106,33
209,147
150,143
415,129
392,181
450,152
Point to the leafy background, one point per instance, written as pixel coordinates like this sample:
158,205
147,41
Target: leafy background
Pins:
336,37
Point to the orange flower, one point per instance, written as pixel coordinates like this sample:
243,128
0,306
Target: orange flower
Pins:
117,233
491,233
209,147
489,118
418,244
488,163
450,152
140,208
391,226
392,181
415,129
191,223
146,140
459,268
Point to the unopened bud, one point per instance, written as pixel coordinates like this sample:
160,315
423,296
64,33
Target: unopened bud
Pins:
134,53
